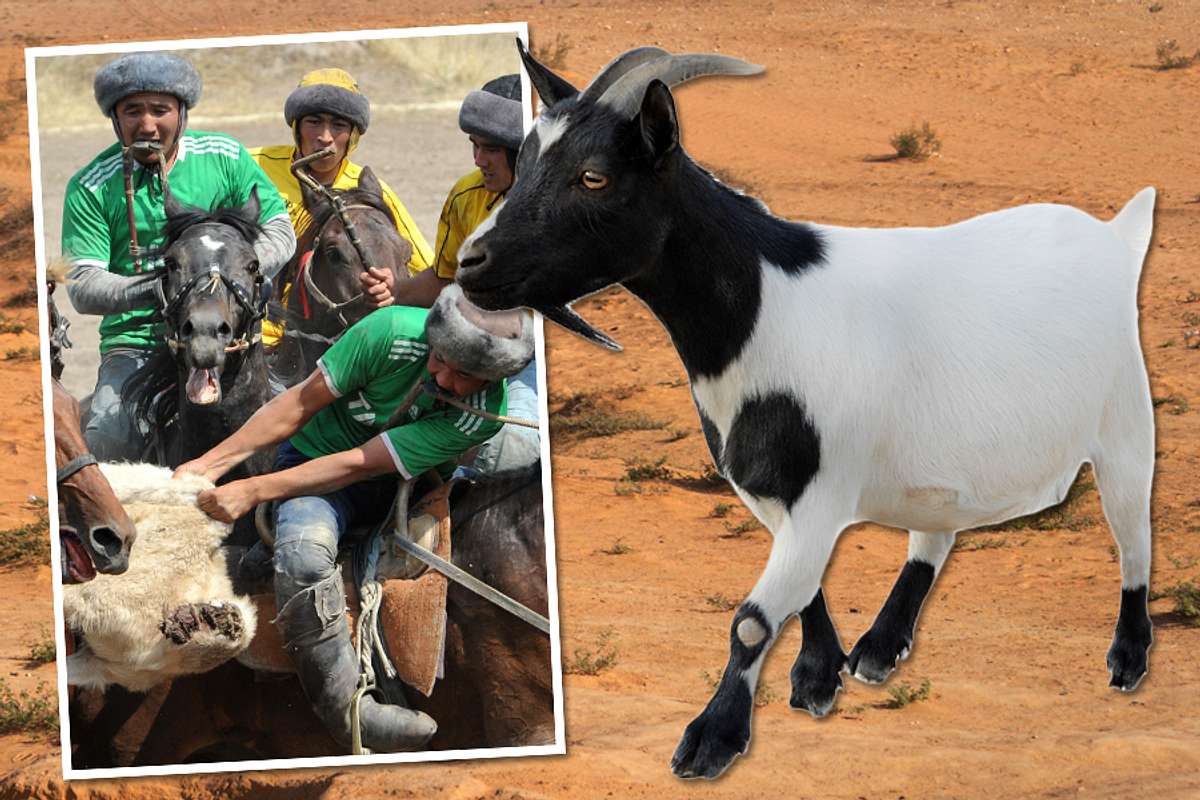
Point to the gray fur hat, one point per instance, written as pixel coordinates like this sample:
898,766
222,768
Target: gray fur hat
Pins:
487,344
328,91
146,72
494,112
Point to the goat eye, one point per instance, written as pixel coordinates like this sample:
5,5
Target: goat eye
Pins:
593,180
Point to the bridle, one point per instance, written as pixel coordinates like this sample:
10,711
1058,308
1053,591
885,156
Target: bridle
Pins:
74,465
253,305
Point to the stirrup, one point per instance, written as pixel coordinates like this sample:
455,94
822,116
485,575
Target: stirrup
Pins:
364,688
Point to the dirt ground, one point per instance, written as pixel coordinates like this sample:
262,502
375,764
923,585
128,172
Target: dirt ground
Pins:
1033,102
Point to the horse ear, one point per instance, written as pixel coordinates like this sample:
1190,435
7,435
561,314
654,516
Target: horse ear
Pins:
252,207
369,183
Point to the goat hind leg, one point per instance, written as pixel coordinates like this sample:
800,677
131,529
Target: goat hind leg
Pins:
816,674
792,578
890,636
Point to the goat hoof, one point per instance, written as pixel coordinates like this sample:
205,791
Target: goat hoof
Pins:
713,740
816,681
875,655
1126,663
182,624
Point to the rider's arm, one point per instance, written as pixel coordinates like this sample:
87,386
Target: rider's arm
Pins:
277,420
94,290
274,245
317,477
420,290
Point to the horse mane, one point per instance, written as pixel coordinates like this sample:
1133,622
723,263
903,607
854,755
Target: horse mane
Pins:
157,377
246,226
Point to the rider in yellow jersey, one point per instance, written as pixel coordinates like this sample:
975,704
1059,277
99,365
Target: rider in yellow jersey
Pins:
328,110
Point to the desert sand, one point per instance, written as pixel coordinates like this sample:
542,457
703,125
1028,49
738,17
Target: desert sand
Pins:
1033,102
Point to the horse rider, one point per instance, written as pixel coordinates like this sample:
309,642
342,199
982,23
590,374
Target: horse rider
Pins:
327,109
346,431
148,96
492,117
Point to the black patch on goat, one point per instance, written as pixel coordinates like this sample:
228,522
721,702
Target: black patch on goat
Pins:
712,437
722,731
773,450
1127,656
815,674
891,634
711,312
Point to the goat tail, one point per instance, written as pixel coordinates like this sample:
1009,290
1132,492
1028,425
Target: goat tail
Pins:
1134,224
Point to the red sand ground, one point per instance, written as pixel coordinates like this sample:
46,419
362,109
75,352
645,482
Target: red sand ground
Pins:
1033,102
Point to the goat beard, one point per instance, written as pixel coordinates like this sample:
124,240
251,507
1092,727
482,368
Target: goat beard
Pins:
204,386
564,316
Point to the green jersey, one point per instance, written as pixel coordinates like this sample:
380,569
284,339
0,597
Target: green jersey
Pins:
211,171
371,370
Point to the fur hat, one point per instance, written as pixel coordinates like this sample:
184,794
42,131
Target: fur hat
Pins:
487,344
328,91
146,72
494,112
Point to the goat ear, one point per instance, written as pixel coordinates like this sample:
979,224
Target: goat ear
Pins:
253,206
659,125
369,183
551,88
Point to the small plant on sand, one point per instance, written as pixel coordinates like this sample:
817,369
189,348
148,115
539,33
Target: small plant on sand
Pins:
1169,57
903,694
743,527
677,434
27,713
593,662
554,54
970,543
720,602
637,469
1186,595
1172,404
12,325
42,651
916,144
584,415
27,544
617,548
721,510
21,354
1078,68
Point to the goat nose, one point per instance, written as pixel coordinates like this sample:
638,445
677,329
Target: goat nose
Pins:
472,257
109,551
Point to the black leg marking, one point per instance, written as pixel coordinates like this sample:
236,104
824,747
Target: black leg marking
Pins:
891,635
773,449
815,675
722,731
1127,656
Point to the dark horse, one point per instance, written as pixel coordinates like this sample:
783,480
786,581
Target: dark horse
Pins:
324,295
95,533
211,375
497,690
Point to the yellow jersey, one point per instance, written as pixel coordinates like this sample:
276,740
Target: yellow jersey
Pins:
468,204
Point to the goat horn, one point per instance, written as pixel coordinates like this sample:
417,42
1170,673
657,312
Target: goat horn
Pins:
625,95
618,67
576,324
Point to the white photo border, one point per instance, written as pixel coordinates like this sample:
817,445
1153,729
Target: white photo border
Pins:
520,30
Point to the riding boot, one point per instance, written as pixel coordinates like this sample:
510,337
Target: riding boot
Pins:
316,635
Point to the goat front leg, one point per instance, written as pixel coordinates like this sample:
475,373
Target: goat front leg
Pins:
890,636
789,583
816,675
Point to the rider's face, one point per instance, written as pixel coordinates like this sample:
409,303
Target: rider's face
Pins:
451,378
318,131
148,117
492,160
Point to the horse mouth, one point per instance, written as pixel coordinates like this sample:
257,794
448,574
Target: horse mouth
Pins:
77,566
204,386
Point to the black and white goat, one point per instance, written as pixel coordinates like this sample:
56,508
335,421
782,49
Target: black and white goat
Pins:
932,379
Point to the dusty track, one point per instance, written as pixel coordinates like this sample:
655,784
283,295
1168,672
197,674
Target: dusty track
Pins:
1013,638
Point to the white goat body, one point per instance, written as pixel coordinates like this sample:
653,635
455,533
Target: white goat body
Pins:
177,562
985,358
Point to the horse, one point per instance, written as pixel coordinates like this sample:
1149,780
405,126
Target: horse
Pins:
94,531
497,690
324,296
211,375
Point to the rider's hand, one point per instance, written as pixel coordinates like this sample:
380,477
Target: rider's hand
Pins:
195,467
229,502
377,284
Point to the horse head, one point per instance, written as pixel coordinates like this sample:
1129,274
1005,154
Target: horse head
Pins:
212,289
95,533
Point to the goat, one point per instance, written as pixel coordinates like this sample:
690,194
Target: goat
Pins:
931,379
174,612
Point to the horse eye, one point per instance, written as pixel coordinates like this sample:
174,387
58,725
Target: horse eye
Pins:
252,267
593,180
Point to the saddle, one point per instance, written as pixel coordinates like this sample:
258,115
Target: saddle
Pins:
412,612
